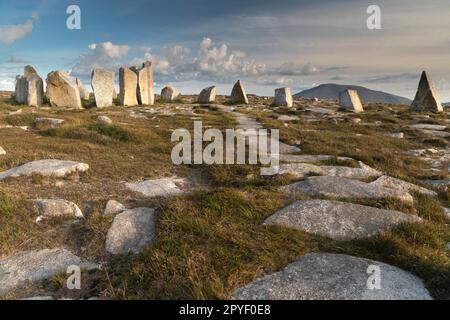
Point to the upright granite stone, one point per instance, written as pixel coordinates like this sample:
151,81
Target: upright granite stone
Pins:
207,95
169,94
61,91
84,93
349,100
102,82
238,95
427,98
283,97
29,88
146,84
128,81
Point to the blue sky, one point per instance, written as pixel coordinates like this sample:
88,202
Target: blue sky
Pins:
267,44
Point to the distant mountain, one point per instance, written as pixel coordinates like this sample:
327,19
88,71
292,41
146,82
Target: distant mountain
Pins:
331,91
446,104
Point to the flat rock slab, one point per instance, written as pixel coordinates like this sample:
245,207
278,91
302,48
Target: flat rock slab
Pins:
288,118
165,187
338,220
344,188
435,133
49,168
56,208
51,121
131,231
426,126
400,185
302,170
34,266
308,158
324,276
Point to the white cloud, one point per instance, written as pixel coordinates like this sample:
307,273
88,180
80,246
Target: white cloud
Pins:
101,55
10,34
7,84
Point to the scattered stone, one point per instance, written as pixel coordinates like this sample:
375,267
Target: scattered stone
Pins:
146,84
51,121
61,91
338,220
306,158
283,97
427,98
356,120
349,100
238,95
50,168
105,119
49,208
400,185
397,135
165,187
29,88
2,151
128,87
446,212
300,170
338,187
34,266
102,82
426,126
113,207
84,93
288,118
434,133
325,276
131,231
169,94
207,95
287,149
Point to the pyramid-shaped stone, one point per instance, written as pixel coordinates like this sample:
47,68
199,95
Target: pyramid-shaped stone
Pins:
427,98
349,100
238,94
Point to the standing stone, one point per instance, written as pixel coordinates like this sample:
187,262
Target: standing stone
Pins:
84,93
29,88
169,94
207,95
349,100
238,94
146,85
427,98
128,81
283,97
115,95
61,91
102,82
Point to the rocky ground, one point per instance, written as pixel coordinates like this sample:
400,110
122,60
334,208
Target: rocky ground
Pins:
97,188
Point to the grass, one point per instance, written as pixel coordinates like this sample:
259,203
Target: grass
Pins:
211,241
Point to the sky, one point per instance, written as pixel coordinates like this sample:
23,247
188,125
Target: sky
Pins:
266,44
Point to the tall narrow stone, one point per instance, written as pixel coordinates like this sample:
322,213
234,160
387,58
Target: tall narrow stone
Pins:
128,87
169,94
207,95
146,85
283,97
349,100
61,91
102,82
238,94
29,88
427,98
84,93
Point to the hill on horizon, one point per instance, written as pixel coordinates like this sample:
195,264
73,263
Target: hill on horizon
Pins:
330,91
